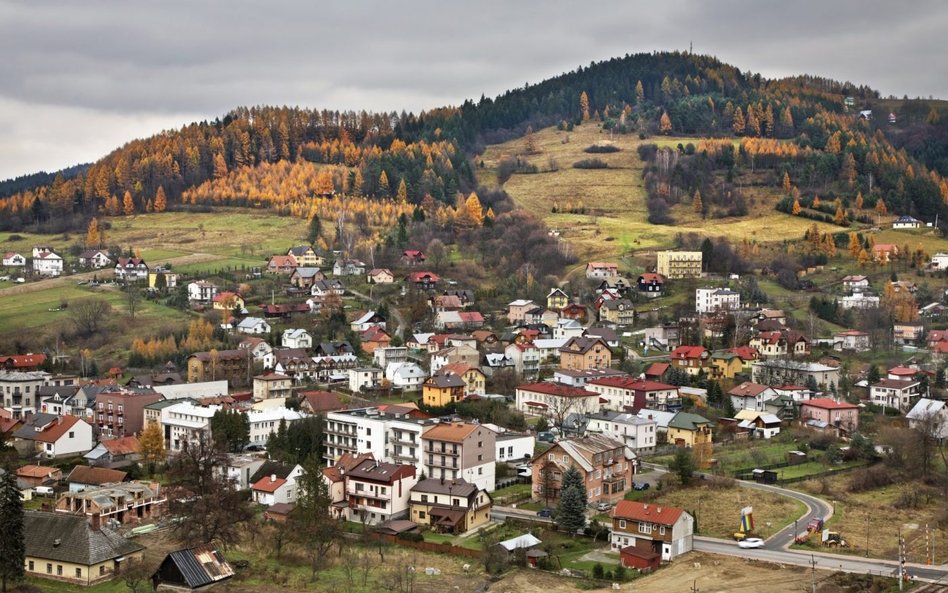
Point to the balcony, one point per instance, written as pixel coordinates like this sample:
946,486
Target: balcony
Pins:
399,457
403,440
346,431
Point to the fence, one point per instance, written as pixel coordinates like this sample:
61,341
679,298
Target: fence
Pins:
442,548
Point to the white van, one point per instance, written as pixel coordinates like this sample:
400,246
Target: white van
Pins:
44,490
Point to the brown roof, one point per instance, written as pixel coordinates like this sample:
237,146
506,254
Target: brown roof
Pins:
584,344
452,432
637,511
54,430
122,446
36,471
322,401
459,368
459,487
748,389
375,471
84,474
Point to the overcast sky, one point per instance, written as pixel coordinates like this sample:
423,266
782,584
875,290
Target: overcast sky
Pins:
78,79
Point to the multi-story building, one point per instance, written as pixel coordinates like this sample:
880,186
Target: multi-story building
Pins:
232,365
596,270
442,388
131,269
517,310
585,353
635,432
691,359
306,256
271,386
56,436
378,491
653,529
127,502
475,381
464,450
896,393
709,300
364,379
19,391
555,401
452,506
619,312
393,435
751,396
606,464
121,412
525,358
827,413
690,430
46,262
632,394
787,372
679,264
201,291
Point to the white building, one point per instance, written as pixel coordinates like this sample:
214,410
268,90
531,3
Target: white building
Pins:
364,378
377,491
940,261
266,421
632,394
296,338
254,326
12,259
859,300
893,393
568,328
47,262
273,489
201,292
709,300
931,415
19,391
751,396
635,432
383,357
407,376
555,401
56,436
391,436
513,447
668,531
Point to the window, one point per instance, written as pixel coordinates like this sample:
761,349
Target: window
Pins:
30,566
421,514
72,434
49,568
480,471
480,458
78,573
551,457
59,570
424,498
645,527
661,530
102,570
621,523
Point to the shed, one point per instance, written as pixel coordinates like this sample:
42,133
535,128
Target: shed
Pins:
192,568
632,557
526,541
765,476
796,457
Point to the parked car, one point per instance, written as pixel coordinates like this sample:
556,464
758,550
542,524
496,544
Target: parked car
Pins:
642,486
603,506
546,513
43,490
751,542
546,437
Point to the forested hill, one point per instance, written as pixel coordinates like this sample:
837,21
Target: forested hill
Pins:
409,157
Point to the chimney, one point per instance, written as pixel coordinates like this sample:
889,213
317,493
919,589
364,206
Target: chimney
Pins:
273,477
96,521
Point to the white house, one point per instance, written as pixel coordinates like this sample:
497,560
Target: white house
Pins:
567,328
273,489
939,261
201,292
751,396
12,259
46,262
385,356
635,432
407,376
661,529
708,300
891,393
296,338
906,222
930,414
367,320
851,339
348,267
859,300
378,491
364,378
56,436
513,447
95,258
254,326
762,425
555,401
131,268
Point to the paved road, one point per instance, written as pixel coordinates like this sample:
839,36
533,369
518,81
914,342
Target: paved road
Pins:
393,311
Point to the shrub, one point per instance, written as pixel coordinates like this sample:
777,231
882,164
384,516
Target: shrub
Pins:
591,164
411,536
869,479
601,148
598,571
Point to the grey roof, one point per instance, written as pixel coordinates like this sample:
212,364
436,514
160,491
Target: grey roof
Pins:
199,566
272,468
70,538
459,488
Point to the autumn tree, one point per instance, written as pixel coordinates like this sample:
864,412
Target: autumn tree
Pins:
401,196
639,94
855,245
473,214
738,123
220,166
786,183
696,204
152,445
665,125
128,204
753,122
840,217
859,200
112,207
161,201
324,184
530,141
358,183
881,209
796,206
847,172
384,188
584,105
93,235
833,145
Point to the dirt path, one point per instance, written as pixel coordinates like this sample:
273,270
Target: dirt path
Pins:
40,285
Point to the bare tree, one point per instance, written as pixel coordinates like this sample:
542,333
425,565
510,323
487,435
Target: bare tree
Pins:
136,575
133,298
89,315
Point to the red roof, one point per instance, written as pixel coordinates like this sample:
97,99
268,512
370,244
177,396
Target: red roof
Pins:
632,383
557,389
657,369
418,277
940,347
651,513
938,335
825,403
322,401
375,334
52,433
904,371
470,316
745,352
122,446
687,352
23,361
650,277
265,484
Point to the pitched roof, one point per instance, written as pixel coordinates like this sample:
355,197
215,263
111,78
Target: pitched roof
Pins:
687,352
582,345
200,566
52,427
897,384
657,369
557,389
322,401
827,404
646,513
70,538
268,484
375,471
457,487
122,445
445,380
585,448
632,383
36,471
452,432
748,389
95,476
271,468
687,421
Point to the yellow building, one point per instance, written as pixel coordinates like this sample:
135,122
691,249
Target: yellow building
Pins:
679,264
73,549
689,430
725,365
557,299
442,389
171,279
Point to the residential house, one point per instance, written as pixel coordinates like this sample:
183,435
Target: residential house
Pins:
326,288
39,475
774,315
458,320
859,300
12,259
780,344
254,326
131,269
271,386
232,365
657,371
296,338
709,300
406,376
573,311
95,259
465,450
855,283
517,310
385,356
56,436
760,424
851,340
567,328
691,359
906,222
442,388
525,359
555,401
168,279
46,262
413,257
781,372
635,432
928,415
632,394
380,276
348,267
275,489
651,528
827,413
607,467
939,261
191,569
115,452
423,280
201,291
556,299
74,549
513,447
228,301
650,285
120,412
751,396
449,506
281,264
689,430
725,364
601,270
306,256
122,502
366,320
883,253
364,379
475,380
374,338
303,277
618,312
898,394
585,353
908,332
679,264
320,402
379,491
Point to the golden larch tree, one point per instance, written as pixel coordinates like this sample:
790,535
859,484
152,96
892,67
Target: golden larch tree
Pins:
881,209
855,246
161,201
840,217
639,94
473,211
847,172
357,182
859,200
402,195
383,184
817,202
93,236
738,124
584,105
665,123
786,182
696,204
796,206
128,204
220,166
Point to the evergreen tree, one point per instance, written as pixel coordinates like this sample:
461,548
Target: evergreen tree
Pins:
315,228
12,546
684,464
571,510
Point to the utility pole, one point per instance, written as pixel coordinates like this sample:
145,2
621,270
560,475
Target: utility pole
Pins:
901,562
813,571
867,536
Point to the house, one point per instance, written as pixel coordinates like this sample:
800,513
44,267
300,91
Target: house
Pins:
907,222
657,371
607,467
271,386
85,477
119,412
254,326
851,340
907,332
228,301
131,269
449,506
513,446
573,311
689,430
782,372
859,300
380,276
296,338
884,252
442,388
635,432
281,264
780,344
306,256
46,262
168,279
348,267
56,436
12,259
939,261
382,357
475,380
751,396
601,270
22,362
458,320
232,365
39,475
123,502
855,283
725,364
412,257
760,424
377,492
618,312
320,402
662,530
117,452
366,320
364,379
423,280
192,568
827,413
325,288
585,353
632,394
201,291
465,450
525,358
95,259
374,338
303,277
274,489
556,299
517,310
555,401
650,285
74,549
709,300
929,415
407,376
691,359
890,393
679,264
